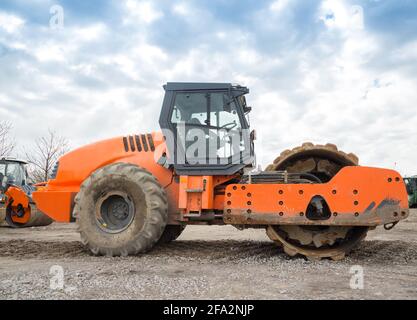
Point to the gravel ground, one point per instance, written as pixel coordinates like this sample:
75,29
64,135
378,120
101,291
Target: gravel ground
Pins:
206,262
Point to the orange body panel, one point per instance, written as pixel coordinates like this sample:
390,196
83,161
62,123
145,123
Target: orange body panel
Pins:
56,204
190,193
356,196
197,193
56,198
14,197
17,196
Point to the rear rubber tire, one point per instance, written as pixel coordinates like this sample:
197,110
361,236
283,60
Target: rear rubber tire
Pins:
171,233
150,210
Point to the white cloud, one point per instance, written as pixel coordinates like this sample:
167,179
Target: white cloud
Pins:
47,52
10,23
341,15
181,9
407,52
196,18
89,33
85,69
96,81
144,11
279,5
149,53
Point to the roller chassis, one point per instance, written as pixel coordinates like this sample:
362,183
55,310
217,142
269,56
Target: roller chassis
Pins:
356,196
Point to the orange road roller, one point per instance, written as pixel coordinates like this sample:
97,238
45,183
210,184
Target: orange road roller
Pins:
129,193
17,208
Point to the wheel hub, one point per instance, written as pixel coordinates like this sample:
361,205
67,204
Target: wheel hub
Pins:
120,209
114,212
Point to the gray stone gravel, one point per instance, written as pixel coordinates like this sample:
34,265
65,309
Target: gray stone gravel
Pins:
205,263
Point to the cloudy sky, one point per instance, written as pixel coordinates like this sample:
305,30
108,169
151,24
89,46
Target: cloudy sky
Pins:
334,71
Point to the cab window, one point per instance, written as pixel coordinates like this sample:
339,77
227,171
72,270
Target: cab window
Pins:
14,172
223,113
210,120
190,108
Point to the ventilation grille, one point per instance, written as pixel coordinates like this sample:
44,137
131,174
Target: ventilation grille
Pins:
139,143
55,170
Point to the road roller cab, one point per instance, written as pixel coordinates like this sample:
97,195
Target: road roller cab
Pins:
411,184
13,171
129,193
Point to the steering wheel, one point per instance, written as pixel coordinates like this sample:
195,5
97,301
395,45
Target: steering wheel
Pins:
229,125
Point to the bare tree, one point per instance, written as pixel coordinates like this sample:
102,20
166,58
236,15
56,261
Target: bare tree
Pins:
7,143
44,154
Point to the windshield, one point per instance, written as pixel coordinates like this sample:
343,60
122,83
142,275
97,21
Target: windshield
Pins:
217,110
14,171
211,125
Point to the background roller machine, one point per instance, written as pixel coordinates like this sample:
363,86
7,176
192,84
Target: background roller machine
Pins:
17,208
411,184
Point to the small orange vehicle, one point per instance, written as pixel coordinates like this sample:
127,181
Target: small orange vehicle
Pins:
128,193
16,204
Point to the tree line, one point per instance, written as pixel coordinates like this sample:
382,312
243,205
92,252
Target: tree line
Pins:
41,155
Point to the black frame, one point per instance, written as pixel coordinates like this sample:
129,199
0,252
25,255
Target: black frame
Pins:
171,89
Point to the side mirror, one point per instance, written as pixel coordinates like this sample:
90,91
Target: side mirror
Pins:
253,135
247,109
